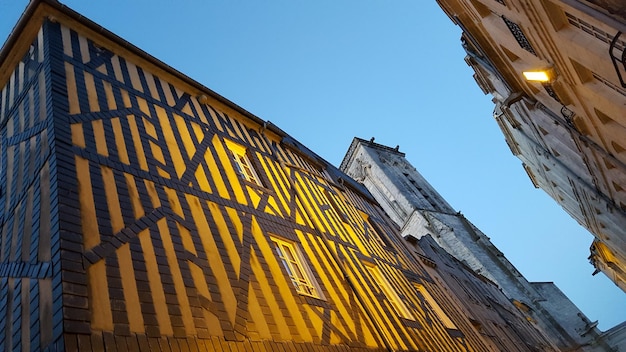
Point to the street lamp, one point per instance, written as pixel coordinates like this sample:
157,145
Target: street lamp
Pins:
543,76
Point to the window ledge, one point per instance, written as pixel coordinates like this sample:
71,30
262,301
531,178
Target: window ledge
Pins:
455,333
411,323
314,301
258,187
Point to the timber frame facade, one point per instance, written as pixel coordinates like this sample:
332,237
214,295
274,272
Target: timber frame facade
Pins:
446,236
141,211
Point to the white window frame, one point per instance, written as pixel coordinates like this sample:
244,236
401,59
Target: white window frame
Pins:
299,272
391,295
335,206
242,164
441,315
374,230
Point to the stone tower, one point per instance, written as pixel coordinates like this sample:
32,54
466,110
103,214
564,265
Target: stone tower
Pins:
141,211
419,210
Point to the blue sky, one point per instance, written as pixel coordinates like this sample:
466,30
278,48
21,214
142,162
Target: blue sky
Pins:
327,71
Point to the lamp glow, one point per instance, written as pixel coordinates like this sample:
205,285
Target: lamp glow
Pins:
537,76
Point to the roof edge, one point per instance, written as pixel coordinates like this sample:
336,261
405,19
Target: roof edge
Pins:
356,141
63,10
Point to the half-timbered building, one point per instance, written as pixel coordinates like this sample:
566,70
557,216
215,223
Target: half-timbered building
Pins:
141,211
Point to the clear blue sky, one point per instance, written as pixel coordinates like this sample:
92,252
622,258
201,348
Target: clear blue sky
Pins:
326,71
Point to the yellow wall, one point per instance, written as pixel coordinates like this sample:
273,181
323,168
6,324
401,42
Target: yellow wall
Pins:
178,243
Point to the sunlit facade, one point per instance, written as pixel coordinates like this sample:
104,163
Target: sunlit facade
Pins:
569,126
429,222
144,212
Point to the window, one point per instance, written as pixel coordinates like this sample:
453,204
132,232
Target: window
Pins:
594,31
299,273
609,84
443,317
517,32
242,164
335,206
371,228
389,292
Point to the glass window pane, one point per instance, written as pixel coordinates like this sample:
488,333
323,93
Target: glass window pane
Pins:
296,268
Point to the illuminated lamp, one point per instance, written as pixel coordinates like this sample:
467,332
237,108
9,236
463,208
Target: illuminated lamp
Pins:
544,76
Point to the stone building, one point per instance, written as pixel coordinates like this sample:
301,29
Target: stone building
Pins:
419,210
557,72
144,212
